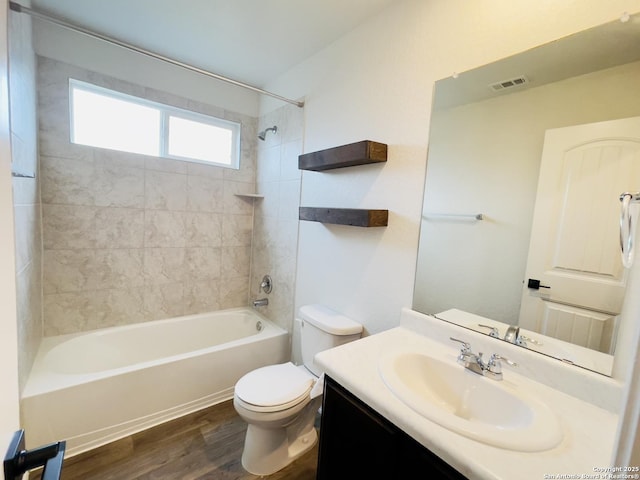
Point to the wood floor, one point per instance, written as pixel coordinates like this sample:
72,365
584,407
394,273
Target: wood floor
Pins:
201,446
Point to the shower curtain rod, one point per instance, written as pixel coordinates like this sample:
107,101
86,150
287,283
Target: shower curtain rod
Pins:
63,23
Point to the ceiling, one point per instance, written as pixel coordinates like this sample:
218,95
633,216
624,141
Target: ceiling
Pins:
604,46
251,41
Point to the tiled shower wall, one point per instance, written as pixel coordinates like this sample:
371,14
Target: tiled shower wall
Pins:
275,240
26,196
129,238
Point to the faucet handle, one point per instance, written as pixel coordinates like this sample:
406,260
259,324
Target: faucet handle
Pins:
466,346
494,367
495,333
524,340
495,363
465,354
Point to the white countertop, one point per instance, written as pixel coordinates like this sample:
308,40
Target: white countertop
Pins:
589,431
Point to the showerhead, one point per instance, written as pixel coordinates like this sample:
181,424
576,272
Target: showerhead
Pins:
263,134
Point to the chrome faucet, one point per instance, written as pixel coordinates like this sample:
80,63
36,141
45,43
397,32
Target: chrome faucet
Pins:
474,361
261,302
512,335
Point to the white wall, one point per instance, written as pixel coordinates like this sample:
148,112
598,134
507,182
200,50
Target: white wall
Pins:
375,83
9,407
95,55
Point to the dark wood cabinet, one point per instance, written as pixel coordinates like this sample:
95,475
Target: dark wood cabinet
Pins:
357,442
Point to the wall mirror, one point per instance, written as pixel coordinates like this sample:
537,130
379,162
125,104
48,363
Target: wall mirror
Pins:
522,194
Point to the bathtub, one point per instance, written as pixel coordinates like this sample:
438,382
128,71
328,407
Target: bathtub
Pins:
95,387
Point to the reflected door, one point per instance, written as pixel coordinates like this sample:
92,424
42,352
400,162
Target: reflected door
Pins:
575,280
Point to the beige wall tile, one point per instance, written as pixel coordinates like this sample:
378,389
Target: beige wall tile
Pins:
234,204
26,197
204,229
205,194
164,265
237,230
119,227
129,237
203,263
67,181
275,230
201,296
163,301
164,229
68,226
235,262
234,292
67,270
118,185
165,191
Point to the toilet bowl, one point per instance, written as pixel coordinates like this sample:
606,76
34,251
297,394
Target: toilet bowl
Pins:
275,402
279,402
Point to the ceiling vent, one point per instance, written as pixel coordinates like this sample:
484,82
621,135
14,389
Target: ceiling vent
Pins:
510,83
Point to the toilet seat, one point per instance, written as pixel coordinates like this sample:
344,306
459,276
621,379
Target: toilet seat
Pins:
274,387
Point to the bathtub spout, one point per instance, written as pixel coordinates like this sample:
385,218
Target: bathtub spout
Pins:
261,302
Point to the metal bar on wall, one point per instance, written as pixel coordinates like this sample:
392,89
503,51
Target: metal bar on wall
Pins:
76,28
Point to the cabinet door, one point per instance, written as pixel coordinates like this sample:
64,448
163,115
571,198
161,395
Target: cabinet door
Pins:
354,443
417,458
357,442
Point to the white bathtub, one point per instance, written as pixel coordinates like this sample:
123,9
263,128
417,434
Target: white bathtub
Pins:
95,387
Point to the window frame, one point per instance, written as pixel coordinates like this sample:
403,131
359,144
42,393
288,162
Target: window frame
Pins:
166,111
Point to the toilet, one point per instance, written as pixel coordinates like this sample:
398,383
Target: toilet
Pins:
277,401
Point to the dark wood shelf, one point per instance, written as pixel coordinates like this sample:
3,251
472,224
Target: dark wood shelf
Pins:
359,153
346,216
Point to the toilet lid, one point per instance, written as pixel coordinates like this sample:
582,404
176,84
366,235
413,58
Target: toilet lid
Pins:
274,385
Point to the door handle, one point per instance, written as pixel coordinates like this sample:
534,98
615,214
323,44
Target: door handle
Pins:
18,461
534,284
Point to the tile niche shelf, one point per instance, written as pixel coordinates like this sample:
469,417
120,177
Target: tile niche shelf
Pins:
249,195
345,216
359,153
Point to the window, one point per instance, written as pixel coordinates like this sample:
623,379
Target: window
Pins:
107,119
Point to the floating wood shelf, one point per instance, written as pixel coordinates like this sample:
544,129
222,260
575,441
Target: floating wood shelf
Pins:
346,216
359,153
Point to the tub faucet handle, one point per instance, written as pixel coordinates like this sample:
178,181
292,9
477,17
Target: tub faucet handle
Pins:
267,284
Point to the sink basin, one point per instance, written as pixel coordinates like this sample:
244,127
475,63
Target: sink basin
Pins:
492,412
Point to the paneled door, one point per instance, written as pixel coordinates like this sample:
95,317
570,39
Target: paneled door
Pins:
575,281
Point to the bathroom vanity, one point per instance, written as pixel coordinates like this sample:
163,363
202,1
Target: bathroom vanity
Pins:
370,426
357,442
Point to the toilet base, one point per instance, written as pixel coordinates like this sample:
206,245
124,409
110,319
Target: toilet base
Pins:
268,450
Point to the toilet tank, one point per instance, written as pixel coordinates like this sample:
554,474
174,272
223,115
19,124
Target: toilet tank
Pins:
322,329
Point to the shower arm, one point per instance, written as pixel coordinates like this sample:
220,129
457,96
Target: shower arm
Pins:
263,134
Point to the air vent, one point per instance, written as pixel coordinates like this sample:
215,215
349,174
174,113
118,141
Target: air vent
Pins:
510,83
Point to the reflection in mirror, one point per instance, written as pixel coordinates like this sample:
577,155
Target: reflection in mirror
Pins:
522,193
